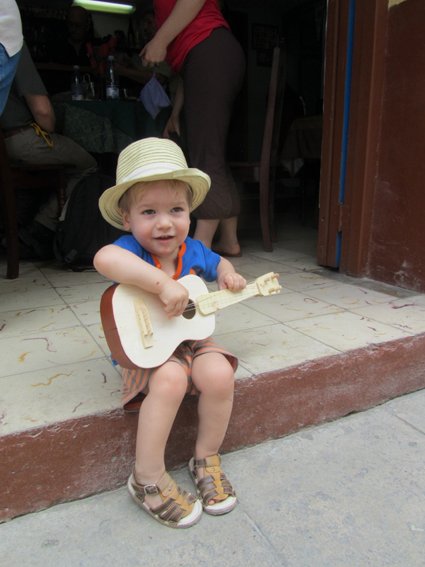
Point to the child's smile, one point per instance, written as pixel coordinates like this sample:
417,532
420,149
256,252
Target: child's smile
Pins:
159,218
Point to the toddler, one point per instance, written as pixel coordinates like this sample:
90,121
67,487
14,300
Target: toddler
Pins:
152,200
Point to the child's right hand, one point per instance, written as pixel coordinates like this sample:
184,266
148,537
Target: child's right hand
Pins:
175,298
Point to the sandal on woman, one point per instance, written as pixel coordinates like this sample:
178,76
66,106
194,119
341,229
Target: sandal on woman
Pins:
179,509
213,485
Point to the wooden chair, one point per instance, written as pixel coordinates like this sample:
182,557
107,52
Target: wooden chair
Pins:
26,176
263,172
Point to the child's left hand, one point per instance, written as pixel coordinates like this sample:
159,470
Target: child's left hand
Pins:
232,281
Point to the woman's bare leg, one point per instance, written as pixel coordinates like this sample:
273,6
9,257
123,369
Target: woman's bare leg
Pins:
228,236
205,230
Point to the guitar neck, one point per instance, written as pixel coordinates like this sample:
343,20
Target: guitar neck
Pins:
212,302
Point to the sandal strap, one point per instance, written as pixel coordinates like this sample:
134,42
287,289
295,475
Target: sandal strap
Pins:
214,485
176,502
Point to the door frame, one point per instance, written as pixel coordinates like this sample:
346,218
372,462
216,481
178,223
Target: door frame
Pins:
346,213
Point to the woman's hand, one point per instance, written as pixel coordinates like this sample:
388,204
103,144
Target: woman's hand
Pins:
183,12
172,126
153,52
173,123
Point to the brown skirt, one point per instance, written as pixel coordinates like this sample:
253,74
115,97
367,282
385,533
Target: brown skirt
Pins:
213,75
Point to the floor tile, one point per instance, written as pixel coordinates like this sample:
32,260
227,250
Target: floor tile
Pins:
29,297
301,281
47,350
254,267
290,306
273,347
67,391
43,319
87,312
24,284
83,292
239,317
346,331
348,296
407,314
62,278
300,262
96,331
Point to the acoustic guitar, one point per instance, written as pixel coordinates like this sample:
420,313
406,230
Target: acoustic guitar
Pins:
140,334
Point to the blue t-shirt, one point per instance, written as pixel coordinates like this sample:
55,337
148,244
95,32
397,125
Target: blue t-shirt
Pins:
193,258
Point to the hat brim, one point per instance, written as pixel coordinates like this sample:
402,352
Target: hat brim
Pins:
198,181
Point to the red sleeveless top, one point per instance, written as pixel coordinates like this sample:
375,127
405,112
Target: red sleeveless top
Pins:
207,20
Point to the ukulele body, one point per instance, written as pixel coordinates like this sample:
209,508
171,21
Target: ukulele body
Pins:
123,307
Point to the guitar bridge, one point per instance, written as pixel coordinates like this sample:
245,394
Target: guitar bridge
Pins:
144,321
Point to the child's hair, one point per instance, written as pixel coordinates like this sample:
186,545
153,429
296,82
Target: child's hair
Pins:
129,196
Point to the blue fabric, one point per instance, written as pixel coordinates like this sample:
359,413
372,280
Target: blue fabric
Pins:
154,97
8,67
197,257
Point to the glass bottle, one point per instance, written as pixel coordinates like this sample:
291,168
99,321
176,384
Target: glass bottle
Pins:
77,87
111,80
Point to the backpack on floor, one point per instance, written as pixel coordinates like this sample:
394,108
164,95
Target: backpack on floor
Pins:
82,230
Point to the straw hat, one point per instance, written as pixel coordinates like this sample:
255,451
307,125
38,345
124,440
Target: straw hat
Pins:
151,159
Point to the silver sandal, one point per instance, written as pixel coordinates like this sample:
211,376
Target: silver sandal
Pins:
213,486
179,509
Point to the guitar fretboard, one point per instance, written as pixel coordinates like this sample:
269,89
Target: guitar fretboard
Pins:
212,302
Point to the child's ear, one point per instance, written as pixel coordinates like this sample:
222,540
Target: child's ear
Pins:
125,220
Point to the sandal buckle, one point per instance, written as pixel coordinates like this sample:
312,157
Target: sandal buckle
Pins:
150,489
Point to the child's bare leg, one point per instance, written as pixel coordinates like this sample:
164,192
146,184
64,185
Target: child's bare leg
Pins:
167,388
213,376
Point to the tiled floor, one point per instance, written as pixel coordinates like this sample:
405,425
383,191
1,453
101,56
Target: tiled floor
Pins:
55,362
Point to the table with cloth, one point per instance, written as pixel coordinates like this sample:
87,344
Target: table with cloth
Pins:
107,126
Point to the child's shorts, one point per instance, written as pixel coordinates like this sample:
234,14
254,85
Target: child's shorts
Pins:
135,381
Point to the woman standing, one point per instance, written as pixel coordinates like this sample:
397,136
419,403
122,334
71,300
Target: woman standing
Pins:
196,40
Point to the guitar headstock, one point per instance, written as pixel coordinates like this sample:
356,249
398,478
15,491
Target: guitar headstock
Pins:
268,284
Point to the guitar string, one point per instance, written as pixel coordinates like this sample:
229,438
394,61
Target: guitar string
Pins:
191,306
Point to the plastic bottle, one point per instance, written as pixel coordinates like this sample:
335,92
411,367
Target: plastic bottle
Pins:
77,87
111,80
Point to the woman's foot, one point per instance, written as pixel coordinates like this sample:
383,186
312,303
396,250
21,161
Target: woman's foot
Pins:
227,250
227,243
166,502
215,491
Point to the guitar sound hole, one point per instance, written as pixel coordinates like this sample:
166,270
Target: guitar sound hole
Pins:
190,311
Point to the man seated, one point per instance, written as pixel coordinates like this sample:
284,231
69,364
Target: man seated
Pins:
28,125
74,47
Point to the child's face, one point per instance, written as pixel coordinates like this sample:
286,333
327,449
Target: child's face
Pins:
158,217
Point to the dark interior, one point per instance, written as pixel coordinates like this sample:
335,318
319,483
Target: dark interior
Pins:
298,25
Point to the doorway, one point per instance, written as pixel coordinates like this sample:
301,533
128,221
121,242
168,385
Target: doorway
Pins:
301,24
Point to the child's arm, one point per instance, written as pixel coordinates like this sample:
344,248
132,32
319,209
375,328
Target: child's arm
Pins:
228,278
120,265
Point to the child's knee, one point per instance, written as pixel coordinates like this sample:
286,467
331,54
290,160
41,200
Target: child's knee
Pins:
218,380
170,382
224,383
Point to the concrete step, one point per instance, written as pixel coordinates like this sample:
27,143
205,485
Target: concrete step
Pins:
74,458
